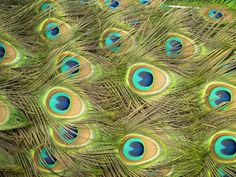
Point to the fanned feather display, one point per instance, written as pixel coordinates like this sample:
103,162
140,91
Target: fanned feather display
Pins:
118,88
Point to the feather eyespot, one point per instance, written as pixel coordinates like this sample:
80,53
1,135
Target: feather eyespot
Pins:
116,41
4,113
72,135
174,46
8,53
53,30
63,103
179,46
221,96
76,66
223,147
46,6
45,160
218,14
215,14
147,79
138,149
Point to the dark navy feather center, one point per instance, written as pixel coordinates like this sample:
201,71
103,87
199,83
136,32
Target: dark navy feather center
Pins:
55,31
176,46
147,79
2,51
49,159
115,39
114,3
63,103
72,65
217,14
230,147
70,132
224,96
137,149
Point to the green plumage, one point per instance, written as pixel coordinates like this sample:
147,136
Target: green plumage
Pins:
117,88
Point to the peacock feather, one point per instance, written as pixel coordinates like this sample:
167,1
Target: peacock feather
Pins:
118,88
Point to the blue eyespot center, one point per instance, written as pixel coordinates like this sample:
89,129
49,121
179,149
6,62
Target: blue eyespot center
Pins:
144,1
230,147
55,31
134,149
52,31
138,149
63,103
219,15
215,14
110,41
2,51
60,102
47,159
147,79
143,79
70,63
112,4
224,95
69,134
174,46
219,96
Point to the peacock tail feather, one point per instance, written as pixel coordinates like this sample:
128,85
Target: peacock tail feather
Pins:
117,88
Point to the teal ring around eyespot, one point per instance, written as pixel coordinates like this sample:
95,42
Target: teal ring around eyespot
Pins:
218,147
43,155
211,13
109,42
64,68
136,79
46,6
64,138
168,47
144,2
48,29
53,101
4,47
127,149
212,97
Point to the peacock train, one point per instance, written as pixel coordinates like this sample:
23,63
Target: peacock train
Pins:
117,88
